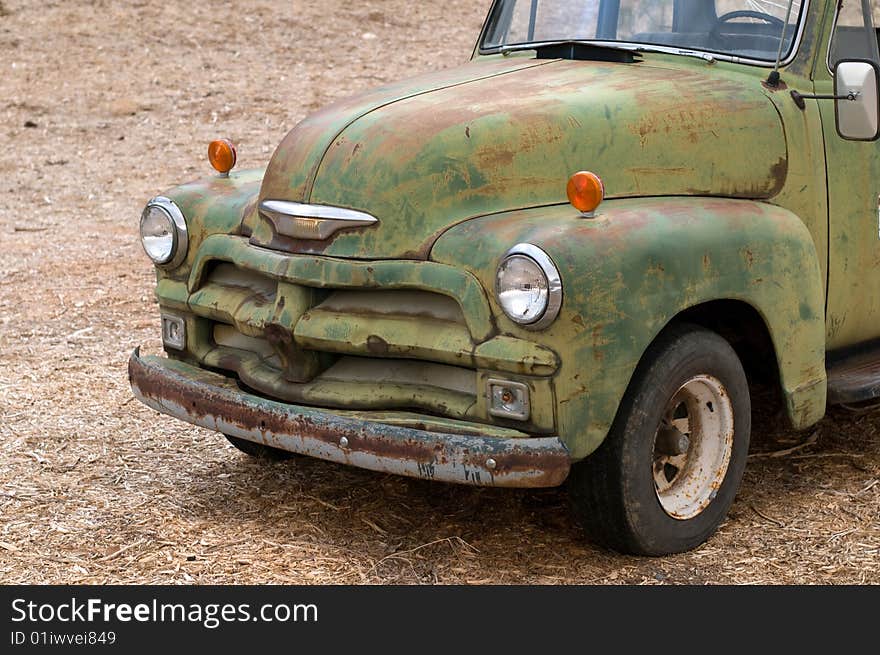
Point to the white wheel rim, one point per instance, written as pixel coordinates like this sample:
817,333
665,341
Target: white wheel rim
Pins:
687,482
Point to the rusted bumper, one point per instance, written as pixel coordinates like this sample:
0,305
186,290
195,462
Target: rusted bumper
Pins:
214,401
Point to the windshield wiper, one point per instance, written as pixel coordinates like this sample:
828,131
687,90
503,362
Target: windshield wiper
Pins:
708,57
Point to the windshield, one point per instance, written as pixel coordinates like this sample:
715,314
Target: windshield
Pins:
747,29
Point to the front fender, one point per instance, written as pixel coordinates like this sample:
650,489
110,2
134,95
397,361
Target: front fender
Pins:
632,270
213,205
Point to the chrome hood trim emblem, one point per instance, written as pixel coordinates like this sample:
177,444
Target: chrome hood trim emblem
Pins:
313,222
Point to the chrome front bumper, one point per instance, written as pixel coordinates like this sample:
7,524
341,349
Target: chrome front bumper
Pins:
216,402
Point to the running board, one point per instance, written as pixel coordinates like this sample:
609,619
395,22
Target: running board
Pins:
855,378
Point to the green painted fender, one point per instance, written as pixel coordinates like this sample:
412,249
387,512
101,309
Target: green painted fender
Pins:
213,205
629,272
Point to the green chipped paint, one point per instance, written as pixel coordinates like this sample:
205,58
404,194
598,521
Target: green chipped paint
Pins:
214,205
853,313
397,336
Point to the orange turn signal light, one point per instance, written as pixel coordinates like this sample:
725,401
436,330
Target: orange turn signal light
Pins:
222,155
586,191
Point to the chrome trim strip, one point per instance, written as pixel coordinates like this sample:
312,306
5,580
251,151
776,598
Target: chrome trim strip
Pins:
181,236
554,284
831,39
314,222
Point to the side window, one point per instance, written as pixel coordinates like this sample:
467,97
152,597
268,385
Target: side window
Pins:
854,35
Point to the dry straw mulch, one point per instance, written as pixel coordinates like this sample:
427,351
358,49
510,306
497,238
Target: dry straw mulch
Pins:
104,104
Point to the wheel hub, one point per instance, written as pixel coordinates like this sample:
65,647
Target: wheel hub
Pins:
693,446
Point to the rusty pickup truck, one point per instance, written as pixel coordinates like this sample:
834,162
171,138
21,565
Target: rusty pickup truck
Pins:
565,261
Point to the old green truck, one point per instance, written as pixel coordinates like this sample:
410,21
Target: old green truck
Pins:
565,261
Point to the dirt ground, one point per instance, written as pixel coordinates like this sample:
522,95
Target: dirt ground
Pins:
104,104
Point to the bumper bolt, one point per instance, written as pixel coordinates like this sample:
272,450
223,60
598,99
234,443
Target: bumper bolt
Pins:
343,443
491,464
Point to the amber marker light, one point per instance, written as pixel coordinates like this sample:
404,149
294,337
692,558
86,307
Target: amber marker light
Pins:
586,191
222,155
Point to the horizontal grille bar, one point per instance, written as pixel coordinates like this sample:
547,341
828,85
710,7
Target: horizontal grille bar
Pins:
361,383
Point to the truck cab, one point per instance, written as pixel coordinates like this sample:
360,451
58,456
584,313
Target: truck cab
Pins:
566,261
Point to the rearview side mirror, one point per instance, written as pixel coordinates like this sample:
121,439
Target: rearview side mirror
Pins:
857,91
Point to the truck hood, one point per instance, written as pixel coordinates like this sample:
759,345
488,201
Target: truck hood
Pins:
499,134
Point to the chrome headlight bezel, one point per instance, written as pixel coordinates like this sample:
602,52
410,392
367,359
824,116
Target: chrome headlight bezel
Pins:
554,286
179,234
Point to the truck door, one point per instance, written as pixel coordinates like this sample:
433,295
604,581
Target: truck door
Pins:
853,175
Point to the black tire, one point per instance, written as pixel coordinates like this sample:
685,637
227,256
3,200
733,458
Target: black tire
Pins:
613,491
259,450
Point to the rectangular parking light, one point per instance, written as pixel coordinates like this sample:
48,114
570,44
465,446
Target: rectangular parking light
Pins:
173,332
508,399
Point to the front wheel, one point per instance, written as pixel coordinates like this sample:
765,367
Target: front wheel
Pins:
667,474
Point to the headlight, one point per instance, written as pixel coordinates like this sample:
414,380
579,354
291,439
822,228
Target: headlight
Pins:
528,287
163,232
